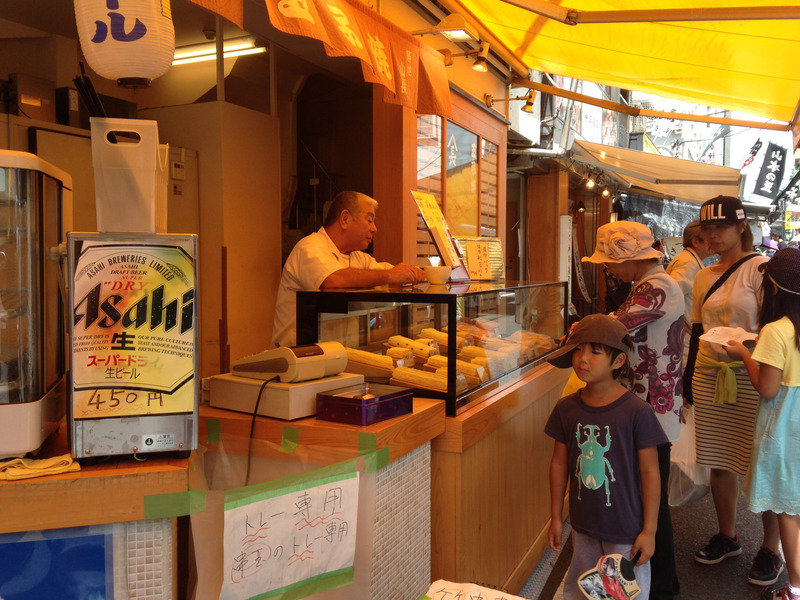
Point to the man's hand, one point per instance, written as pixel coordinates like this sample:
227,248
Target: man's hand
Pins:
403,273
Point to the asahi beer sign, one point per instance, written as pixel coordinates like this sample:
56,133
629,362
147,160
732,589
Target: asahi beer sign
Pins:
134,321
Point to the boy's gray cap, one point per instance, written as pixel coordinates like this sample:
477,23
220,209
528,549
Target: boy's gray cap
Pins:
594,329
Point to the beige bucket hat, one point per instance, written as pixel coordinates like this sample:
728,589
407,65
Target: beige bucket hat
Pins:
621,241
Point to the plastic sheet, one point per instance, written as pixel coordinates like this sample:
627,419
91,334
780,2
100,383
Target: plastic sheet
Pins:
233,462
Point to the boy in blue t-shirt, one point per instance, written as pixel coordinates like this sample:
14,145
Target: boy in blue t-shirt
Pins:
605,446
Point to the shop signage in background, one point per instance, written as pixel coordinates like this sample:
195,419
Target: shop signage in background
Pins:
770,177
792,191
134,324
412,73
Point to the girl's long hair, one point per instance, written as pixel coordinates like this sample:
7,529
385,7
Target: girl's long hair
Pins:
776,304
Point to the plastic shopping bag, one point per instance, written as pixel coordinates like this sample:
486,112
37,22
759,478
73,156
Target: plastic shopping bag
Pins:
688,481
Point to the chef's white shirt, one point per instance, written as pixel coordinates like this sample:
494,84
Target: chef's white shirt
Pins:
311,261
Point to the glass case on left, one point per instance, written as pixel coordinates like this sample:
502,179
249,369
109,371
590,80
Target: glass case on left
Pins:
34,197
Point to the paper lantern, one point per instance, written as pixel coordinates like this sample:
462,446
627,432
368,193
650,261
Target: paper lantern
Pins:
132,41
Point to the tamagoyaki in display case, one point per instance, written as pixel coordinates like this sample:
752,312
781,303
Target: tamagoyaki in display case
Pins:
456,342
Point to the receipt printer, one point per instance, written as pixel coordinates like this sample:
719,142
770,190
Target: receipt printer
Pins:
294,363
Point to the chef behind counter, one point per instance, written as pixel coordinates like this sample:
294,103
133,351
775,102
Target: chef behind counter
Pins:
332,258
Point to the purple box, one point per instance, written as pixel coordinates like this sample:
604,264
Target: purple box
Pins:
364,404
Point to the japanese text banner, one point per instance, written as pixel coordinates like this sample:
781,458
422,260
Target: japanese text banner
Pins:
389,56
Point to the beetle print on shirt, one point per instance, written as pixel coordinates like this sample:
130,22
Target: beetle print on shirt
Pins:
591,466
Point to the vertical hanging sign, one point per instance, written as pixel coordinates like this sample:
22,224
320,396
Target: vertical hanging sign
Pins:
134,324
770,177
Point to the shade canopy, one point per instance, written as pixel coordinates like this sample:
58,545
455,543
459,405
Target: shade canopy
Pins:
676,178
739,55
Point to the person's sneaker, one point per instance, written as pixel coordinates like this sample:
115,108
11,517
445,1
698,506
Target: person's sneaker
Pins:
719,547
777,594
767,567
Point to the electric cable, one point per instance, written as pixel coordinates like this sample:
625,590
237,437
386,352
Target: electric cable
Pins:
253,427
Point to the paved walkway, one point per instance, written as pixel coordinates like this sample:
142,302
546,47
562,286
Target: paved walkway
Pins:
693,524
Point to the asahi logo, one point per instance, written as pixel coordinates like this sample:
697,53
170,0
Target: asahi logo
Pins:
150,309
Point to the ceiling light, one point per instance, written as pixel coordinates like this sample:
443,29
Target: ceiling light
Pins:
480,60
528,108
590,182
606,192
454,27
208,51
489,101
480,55
581,206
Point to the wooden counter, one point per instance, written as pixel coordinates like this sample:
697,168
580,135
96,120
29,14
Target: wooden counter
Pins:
490,498
111,491
400,434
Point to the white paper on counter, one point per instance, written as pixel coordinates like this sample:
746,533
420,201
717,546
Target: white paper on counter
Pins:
722,335
441,590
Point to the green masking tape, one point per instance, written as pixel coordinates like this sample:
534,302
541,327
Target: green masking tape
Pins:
213,431
367,442
375,461
178,504
290,439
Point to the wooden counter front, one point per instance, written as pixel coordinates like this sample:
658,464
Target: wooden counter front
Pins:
490,498
111,491
400,434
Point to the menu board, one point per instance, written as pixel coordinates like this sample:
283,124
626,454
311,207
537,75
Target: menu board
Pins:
435,221
134,324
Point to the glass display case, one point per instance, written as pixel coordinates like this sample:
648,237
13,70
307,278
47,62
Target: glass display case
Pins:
453,342
35,207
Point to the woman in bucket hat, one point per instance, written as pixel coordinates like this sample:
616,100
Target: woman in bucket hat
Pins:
725,406
773,481
653,313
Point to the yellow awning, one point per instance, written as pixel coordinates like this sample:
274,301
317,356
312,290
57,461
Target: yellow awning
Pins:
747,58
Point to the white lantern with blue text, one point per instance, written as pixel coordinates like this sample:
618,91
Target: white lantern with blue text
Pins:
132,41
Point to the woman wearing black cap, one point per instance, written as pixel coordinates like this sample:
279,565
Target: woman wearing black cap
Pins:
727,294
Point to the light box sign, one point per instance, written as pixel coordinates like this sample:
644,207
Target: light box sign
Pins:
134,324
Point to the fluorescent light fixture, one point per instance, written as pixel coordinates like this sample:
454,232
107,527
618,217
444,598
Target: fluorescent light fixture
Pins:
454,27
208,51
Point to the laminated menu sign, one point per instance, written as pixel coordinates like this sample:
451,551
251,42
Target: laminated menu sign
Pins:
134,324
437,225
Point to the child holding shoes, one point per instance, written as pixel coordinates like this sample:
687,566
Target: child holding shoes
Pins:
605,448
773,481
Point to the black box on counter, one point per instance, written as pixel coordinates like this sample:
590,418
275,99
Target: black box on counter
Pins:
364,404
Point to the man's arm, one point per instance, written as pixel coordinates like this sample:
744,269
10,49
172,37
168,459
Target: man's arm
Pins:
651,496
399,274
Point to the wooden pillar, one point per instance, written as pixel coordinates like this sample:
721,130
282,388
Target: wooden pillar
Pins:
547,200
394,159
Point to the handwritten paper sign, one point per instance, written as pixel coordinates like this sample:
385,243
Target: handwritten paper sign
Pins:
478,262
134,324
277,540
